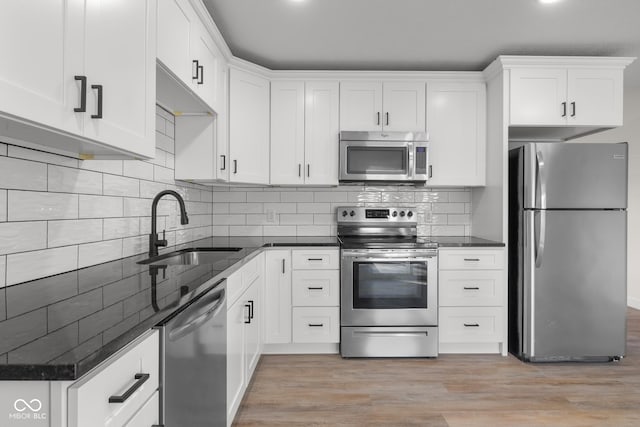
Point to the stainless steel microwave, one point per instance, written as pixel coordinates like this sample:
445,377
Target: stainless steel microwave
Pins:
384,157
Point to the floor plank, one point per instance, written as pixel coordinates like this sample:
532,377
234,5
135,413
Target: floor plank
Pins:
452,390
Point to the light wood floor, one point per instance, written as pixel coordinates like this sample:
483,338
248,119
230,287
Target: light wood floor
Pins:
452,390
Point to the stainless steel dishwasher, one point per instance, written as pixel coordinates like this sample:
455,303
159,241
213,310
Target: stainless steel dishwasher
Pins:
194,365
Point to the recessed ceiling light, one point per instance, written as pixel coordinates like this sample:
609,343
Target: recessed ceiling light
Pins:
548,1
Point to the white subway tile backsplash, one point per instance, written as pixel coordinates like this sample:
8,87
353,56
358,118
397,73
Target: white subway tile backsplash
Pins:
431,197
97,253
139,207
459,219
41,156
297,196
460,196
159,159
73,232
324,219
171,161
3,149
148,189
229,197
135,245
364,196
170,129
161,174
281,207
164,143
296,219
100,206
250,208
206,196
245,230
222,219
69,180
26,266
259,219
120,186
261,196
314,208
313,230
447,230
448,207
138,169
22,236
22,174
115,228
3,205
113,167
220,208
327,196
220,230
160,124
279,230
397,197
31,205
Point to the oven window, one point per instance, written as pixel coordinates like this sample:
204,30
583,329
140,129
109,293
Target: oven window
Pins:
377,160
389,285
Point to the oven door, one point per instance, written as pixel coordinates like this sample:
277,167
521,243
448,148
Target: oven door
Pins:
389,289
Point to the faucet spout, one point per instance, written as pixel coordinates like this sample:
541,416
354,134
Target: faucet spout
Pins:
154,242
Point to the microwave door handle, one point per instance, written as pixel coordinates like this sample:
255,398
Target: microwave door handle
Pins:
410,160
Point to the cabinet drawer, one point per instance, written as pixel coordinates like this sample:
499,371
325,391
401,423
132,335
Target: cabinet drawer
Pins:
149,414
318,259
473,324
316,288
471,259
316,324
89,397
471,288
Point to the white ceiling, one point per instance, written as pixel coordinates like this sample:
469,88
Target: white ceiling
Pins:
430,35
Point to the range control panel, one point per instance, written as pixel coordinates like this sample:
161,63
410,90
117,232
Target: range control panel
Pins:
351,214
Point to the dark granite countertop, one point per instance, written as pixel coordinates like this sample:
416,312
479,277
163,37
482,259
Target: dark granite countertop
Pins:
463,241
62,326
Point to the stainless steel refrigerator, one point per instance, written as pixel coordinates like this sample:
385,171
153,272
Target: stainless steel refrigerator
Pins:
567,251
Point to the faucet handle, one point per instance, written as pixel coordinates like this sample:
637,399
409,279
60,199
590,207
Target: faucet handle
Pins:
162,242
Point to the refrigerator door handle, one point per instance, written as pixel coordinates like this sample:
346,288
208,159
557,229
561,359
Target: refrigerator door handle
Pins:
541,185
540,231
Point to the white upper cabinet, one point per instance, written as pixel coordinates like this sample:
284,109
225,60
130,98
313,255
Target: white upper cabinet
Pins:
187,51
376,106
222,127
72,71
566,96
456,120
304,133
248,128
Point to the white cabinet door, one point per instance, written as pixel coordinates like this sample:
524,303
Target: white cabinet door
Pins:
277,297
120,58
538,96
40,57
456,119
287,132
595,97
208,57
253,329
404,104
361,106
249,128
237,315
175,19
222,126
322,133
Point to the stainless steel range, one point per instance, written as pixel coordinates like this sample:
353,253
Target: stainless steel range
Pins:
389,284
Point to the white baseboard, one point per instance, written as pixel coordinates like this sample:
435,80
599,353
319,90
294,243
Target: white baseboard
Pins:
633,302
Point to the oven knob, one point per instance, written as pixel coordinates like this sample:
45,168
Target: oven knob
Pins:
344,213
352,213
409,214
401,213
394,214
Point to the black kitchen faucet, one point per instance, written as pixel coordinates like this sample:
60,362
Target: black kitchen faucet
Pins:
154,242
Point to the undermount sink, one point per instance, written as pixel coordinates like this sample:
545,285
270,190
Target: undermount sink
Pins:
191,256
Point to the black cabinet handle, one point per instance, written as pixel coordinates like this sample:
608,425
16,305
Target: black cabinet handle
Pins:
248,320
196,68
387,114
283,266
201,73
235,166
573,109
315,288
314,259
83,94
98,88
224,162
564,109
430,171
141,379
308,170
471,325
251,309
472,259
471,288
378,114
315,325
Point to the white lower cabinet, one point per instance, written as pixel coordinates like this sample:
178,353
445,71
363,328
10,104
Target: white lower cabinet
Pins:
472,300
244,329
123,388
303,300
149,414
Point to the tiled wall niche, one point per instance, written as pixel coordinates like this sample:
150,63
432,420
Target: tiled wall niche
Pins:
303,211
58,214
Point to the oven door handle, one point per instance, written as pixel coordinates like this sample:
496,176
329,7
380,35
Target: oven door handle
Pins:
405,259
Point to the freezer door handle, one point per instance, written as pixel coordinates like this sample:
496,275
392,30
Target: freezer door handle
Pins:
540,230
541,185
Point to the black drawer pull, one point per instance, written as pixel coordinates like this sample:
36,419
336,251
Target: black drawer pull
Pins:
251,309
83,94
315,288
314,259
98,114
248,319
316,325
141,378
471,288
472,259
471,325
